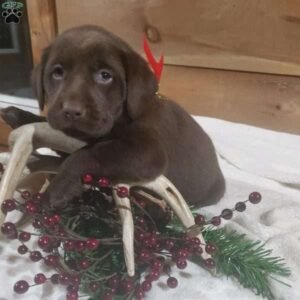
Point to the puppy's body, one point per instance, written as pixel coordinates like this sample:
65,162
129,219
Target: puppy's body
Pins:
98,89
192,163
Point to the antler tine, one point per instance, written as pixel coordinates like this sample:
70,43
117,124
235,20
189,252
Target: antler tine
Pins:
16,164
45,136
124,208
23,141
169,192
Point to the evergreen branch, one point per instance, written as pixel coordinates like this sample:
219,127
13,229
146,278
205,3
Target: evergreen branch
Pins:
246,260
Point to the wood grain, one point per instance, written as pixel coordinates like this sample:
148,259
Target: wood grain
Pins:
258,36
4,132
268,101
42,24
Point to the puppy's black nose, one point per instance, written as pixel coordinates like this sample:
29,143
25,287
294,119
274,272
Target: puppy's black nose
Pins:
73,111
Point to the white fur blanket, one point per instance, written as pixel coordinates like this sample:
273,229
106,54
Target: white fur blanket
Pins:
252,159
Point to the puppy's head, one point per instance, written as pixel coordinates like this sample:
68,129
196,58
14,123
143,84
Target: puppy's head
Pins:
88,79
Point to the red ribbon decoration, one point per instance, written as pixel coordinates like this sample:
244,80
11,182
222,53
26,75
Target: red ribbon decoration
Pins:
157,66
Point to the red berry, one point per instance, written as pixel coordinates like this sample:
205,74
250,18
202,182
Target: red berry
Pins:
240,206
209,263
141,203
47,221
51,260
122,191
64,279
40,278
126,285
169,244
75,280
199,219
140,221
54,279
151,240
157,264
73,288
8,205
92,244
72,296
139,294
93,287
215,221
21,287
113,282
144,255
210,248
87,178
181,263
146,285
226,214
84,264
154,275
31,207
35,256
198,250
38,196
172,282
195,241
25,195
37,224
107,296
79,246
103,182
69,245
254,197
8,228
24,236
139,235
44,241
22,249
182,253
56,218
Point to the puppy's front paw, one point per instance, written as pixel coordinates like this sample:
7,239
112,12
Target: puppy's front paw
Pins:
62,189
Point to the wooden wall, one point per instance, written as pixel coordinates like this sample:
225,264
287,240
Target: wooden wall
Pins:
232,59
259,36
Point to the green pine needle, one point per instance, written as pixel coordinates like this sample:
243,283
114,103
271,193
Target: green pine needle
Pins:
246,260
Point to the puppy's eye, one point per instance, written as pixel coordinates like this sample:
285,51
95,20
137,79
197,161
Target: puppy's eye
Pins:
58,72
103,77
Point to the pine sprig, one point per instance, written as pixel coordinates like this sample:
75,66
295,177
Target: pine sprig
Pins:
246,260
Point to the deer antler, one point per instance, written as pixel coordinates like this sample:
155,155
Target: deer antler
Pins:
24,140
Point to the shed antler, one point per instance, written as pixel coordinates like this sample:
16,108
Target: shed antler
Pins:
24,140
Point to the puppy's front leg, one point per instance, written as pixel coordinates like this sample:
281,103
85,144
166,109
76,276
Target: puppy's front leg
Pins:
133,158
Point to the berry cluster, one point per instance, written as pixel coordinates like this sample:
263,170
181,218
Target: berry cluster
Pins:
92,261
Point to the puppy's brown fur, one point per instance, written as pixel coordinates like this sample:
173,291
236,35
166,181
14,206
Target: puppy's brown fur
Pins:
132,134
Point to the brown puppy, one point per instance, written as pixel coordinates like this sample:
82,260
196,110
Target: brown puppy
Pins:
99,90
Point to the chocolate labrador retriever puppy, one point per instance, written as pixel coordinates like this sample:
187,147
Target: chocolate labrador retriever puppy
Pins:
97,89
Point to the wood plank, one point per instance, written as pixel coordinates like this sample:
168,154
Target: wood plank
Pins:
4,132
268,101
258,36
42,24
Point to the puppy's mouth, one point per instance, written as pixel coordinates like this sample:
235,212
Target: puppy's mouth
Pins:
85,129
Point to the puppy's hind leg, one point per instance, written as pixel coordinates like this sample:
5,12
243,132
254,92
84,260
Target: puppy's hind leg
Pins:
15,117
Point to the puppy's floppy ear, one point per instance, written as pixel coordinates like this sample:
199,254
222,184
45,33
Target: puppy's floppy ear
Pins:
141,85
37,78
